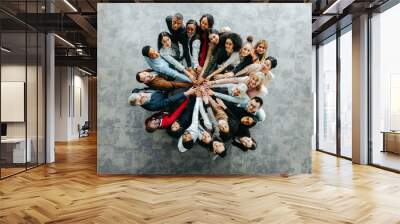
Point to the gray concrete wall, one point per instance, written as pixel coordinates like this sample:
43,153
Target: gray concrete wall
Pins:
284,138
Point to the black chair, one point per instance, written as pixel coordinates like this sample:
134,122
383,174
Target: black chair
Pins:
84,130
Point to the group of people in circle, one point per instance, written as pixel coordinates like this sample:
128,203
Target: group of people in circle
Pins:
207,86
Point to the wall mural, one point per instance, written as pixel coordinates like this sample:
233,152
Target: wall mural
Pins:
203,86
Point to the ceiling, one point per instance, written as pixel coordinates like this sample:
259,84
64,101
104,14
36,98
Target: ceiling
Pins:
76,22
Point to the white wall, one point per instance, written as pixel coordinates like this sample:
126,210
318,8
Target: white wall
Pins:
69,82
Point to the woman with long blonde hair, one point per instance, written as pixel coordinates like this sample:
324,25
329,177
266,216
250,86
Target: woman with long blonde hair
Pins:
260,50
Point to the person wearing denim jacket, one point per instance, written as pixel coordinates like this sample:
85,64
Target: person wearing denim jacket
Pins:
161,64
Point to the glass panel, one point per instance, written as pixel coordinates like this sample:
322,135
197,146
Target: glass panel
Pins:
346,93
314,91
31,99
327,97
13,89
41,98
386,89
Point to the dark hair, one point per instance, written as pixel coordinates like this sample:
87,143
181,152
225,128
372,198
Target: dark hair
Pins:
236,40
188,144
218,139
160,37
250,39
177,133
138,77
258,100
205,145
251,125
210,31
223,154
273,61
224,136
210,20
146,122
179,16
146,50
236,142
137,74
192,21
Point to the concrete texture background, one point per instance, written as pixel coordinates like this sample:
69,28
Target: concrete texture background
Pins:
284,138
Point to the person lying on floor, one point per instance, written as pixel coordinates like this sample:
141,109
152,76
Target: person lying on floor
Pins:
193,44
183,122
156,100
251,108
246,57
161,64
246,118
243,140
218,148
265,68
167,47
227,121
226,56
212,46
162,119
189,137
155,81
177,32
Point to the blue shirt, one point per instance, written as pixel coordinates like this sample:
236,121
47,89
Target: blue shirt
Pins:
161,65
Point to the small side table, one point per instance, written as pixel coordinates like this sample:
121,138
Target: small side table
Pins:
391,141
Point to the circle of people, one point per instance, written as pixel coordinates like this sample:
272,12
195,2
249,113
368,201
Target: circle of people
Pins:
207,85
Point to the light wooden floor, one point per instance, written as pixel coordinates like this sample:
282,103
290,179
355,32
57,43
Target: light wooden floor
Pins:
69,191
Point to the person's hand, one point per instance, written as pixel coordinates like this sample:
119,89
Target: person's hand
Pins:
191,71
219,76
198,69
210,83
190,91
205,99
200,80
194,80
198,92
221,103
210,92
229,74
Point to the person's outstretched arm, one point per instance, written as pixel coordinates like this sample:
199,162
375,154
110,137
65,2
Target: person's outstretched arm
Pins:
175,98
233,99
169,119
195,117
231,60
205,117
172,61
175,74
208,58
196,53
163,84
225,81
247,70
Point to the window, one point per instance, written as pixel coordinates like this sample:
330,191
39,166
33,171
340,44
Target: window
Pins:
385,89
327,96
346,93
